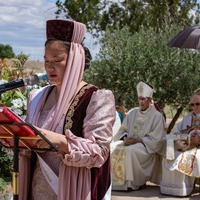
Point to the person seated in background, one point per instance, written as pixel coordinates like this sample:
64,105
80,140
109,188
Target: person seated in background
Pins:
121,110
182,162
133,153
117,124
120,115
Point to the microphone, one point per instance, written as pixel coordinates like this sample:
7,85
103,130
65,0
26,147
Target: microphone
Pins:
31,80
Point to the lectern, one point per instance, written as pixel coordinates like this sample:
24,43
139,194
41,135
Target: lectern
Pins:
17,134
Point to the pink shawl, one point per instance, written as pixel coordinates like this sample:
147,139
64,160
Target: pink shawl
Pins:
72,78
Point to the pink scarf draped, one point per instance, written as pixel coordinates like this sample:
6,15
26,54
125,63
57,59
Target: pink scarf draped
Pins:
72,78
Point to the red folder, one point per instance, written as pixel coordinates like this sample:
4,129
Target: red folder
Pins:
12,125
7,115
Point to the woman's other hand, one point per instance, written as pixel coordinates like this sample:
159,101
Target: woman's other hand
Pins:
57,139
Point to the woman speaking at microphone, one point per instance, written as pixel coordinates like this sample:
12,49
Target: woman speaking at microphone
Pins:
76,117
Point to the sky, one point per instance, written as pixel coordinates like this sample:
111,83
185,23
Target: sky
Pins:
23,23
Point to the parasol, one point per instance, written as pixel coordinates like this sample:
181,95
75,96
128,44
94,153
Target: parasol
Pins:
188,38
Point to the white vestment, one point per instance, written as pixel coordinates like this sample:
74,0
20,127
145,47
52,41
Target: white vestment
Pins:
136,164
180,170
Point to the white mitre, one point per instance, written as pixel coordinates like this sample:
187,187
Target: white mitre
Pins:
144,90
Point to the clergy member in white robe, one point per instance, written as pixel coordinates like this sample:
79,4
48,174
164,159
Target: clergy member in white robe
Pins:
182,163
134,151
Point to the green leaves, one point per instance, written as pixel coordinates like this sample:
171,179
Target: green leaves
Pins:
125,59
15,100
6,51
100,15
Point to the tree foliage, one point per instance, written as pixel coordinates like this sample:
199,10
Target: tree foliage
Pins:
101,14
6,51
126,58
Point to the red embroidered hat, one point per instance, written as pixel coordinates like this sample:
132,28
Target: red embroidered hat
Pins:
59,29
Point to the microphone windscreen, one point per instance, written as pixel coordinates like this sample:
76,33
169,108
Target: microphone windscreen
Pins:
32,80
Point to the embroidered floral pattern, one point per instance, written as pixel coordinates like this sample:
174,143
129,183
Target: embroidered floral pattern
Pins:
195,122
118,165
138,126
70,113
186,162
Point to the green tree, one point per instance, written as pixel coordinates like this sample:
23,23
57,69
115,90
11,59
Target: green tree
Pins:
6,51
125,59
101,14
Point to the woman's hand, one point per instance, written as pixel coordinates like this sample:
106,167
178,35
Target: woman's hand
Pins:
2,141
57,139
130,141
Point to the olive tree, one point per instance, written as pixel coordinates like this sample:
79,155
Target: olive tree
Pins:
126,58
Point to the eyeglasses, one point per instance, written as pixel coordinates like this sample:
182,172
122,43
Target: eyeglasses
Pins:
194,104
142,98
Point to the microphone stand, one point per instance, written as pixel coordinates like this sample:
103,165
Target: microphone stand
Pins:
15,174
